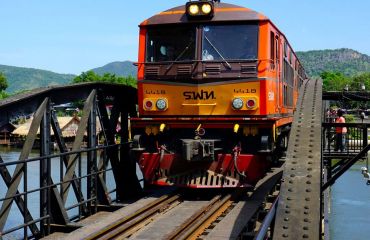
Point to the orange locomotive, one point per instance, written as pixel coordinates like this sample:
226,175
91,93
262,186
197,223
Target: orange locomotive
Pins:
218,85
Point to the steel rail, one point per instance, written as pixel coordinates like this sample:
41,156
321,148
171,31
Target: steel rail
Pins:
206,218
188,223
118,229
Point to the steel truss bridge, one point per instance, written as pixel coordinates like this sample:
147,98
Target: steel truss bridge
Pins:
75,184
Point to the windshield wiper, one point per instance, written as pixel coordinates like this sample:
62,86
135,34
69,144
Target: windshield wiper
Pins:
180,55
218,52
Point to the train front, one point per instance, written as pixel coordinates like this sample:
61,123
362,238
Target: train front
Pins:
202,113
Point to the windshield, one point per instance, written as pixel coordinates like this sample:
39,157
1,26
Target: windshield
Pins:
171,44
222,42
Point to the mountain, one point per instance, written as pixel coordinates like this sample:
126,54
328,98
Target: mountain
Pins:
20,78
123,69
344,60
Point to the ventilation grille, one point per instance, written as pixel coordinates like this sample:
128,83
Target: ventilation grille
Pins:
184,70
248,69
213,69
152,71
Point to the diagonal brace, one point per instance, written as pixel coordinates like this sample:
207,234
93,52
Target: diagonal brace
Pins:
18,172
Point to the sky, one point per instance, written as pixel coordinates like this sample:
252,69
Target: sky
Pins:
72,36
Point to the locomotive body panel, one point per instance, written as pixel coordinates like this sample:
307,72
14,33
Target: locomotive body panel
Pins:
214,90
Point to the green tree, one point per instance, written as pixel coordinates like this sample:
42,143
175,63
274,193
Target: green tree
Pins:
334,81
3,86
91,76
360,79
3,82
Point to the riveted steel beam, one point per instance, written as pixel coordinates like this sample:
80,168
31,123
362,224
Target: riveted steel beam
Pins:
45,171
92,159
299,208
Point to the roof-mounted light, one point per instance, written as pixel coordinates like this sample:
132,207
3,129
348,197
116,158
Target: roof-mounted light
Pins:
206,8
193,9
200,9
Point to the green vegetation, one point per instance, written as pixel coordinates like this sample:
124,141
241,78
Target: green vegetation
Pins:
123,69
3,86
336,81
346,61
91,76
3,82
28,78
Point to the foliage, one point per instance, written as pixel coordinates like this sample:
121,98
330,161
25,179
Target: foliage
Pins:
123,69
3,95
334,81
346,61
3,86
91,76
3,82
360,79
349,118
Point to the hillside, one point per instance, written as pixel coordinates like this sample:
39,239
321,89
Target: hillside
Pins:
20,78
346,61
123,69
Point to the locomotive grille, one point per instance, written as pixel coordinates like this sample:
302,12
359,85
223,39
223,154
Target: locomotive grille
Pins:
152,71
248,69
213,69
184,70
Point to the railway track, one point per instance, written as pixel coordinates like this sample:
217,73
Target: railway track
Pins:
185,215
128,225
200,220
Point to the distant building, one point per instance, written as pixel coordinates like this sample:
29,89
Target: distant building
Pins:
5,134
68,127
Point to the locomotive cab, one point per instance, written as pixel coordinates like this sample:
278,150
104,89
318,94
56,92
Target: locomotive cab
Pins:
214,107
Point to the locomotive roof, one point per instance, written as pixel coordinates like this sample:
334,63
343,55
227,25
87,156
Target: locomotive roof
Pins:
223,12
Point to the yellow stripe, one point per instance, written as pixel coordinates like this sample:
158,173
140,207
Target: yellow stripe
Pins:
172,12
232,10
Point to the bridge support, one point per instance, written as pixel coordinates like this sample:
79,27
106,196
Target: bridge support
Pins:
55,201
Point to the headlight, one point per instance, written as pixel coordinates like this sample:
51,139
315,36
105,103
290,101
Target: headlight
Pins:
161,104
193,9
206,8
238,103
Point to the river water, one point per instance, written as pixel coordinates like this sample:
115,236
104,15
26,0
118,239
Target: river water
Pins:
350,200
350,206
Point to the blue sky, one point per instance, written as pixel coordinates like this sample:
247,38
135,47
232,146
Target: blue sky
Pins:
71,36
